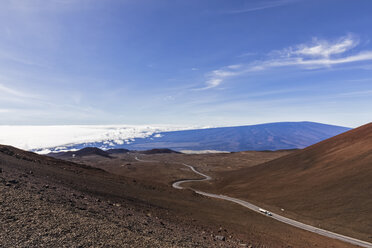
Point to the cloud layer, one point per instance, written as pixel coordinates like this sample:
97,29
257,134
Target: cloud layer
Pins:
44,137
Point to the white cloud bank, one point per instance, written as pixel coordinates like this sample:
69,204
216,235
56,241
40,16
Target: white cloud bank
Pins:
44,137
314,55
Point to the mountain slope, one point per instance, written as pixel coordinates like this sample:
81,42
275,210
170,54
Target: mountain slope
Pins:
117,151
158,151
327,184
49,202
87,151
272,136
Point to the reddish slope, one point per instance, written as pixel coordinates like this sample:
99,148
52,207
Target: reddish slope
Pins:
327,184
47,202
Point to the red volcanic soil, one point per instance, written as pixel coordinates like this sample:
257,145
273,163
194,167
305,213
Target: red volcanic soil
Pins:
328,184
49,202
55,203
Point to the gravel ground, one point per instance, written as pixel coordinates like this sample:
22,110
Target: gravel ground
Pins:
36,211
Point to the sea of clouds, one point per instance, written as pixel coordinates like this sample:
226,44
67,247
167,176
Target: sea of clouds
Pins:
44,139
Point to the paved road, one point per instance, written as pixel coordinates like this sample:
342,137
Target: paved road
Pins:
177,185
280,218
145,161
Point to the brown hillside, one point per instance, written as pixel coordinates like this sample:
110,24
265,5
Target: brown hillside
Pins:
50,202
328,184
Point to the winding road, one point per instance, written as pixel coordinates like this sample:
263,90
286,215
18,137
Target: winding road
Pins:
177,185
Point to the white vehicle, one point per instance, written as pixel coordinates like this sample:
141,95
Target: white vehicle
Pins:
265,212
262,210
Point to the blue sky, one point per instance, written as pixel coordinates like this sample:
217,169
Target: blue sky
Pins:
189,62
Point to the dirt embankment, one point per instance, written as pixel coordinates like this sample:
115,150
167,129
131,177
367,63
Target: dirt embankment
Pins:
328,184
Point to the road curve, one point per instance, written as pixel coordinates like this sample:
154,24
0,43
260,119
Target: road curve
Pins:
145,161
177,185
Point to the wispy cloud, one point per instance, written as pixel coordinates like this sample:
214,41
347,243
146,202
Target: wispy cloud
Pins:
216,77
262,6
20,59
314,55
9,91
323,48
357,93
317,54
25,6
